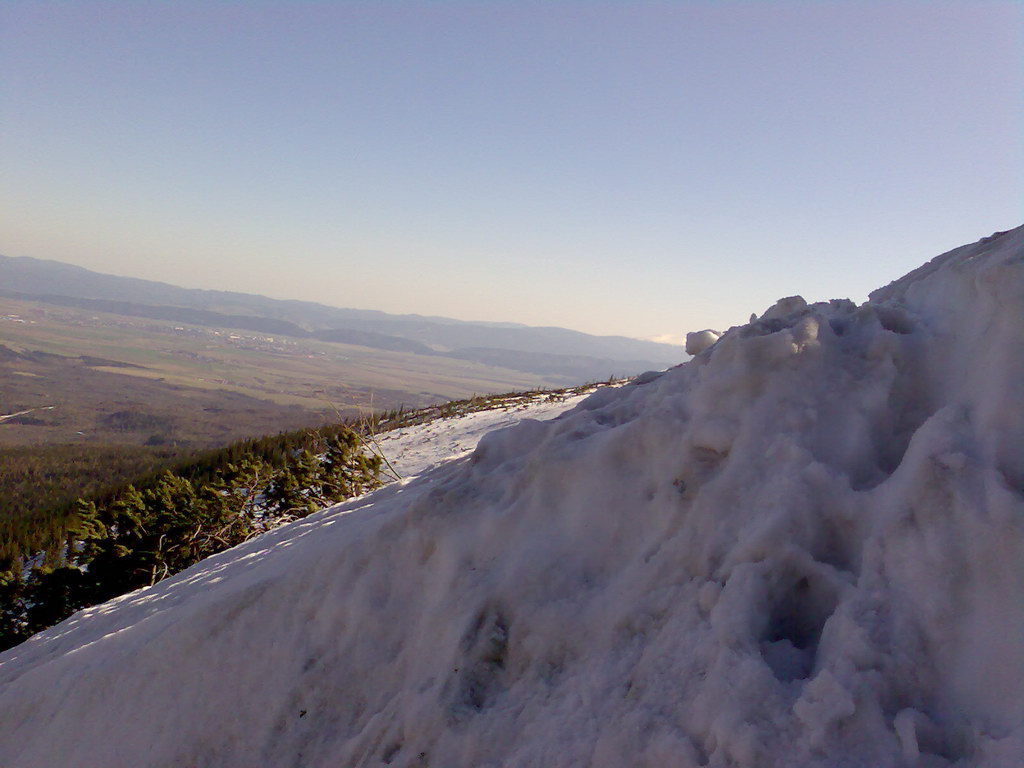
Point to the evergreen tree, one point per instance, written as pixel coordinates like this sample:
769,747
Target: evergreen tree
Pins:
140,535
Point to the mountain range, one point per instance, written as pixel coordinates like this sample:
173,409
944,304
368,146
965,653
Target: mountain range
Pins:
547,351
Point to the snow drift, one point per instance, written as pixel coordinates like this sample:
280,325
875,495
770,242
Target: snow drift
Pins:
803,548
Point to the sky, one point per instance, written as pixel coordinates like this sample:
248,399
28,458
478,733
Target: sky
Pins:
640,169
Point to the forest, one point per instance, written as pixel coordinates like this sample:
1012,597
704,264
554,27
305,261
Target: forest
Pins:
119,538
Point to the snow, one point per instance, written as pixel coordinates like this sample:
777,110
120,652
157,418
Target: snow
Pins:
805,547
698,341
413,450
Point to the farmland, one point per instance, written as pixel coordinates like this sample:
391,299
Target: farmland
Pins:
110,379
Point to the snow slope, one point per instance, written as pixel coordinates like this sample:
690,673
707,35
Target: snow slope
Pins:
413,450
803,548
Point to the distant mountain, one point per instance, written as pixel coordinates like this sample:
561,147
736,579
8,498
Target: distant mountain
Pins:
525,348
188,315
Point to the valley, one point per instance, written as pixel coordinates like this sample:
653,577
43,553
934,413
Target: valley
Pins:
113,379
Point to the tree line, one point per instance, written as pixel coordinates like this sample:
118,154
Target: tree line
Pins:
139,534
39,485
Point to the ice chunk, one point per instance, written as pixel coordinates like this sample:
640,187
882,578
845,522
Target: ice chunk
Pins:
698,341
784,307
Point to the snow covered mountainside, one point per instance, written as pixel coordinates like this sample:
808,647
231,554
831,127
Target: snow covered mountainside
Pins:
805,547
413,450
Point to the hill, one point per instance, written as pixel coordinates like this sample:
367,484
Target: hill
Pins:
802,548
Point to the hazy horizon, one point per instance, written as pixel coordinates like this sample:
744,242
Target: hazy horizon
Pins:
638,171
334,305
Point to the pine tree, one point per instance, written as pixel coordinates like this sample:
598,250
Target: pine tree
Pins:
138,536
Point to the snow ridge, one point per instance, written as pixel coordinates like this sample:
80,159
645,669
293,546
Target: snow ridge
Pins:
803,548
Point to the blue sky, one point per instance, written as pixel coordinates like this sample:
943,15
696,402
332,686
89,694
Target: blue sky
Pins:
630,168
